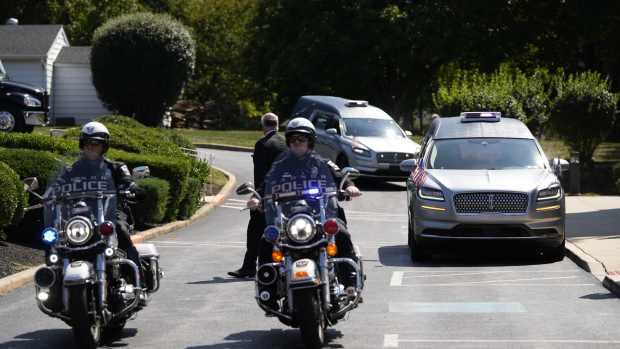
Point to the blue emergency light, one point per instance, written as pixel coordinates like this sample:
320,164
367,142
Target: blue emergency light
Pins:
49,236
272,233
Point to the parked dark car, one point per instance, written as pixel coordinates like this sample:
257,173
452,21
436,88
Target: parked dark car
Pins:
22,106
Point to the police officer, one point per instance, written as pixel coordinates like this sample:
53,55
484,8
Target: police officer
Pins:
266,150
94,143
298,165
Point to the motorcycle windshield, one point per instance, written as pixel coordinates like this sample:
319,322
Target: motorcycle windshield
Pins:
306,201
78,191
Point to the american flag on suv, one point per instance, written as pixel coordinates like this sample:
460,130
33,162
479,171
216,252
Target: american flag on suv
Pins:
418,176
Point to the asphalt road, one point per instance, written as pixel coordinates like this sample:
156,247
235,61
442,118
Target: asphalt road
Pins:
461,300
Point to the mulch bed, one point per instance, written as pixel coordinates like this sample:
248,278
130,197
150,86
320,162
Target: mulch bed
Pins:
15,258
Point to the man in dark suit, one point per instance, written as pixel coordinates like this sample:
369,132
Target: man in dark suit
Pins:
266,150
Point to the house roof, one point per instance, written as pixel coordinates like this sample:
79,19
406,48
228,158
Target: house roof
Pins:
74,55
27,40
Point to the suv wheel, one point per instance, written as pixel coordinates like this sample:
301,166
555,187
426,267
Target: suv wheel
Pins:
555,254
418,252
12,120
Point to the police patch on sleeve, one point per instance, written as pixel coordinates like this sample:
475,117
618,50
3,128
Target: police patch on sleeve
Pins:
125,171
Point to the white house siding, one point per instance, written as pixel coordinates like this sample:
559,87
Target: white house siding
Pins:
60,42
26,71
74,94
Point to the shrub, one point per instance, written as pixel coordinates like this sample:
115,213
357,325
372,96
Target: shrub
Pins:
583,112
152,208
174,170
37,142
200,171
140,63
12,195
191,202
131,136
33,163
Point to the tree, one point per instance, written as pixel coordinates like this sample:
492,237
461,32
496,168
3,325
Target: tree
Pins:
140,63
584,112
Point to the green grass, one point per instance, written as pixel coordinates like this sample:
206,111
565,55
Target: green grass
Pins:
607,152
217,179
232,137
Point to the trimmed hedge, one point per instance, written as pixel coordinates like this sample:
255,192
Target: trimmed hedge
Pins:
175,170
137,50
33,163
12,197
38,142
152,209
191,202
131,136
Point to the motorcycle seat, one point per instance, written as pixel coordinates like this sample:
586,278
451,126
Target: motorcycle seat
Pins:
147,250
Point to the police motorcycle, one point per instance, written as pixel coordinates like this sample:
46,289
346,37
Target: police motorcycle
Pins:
88,282
308,294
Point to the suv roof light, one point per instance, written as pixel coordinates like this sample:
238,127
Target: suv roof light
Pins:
352,103
481,116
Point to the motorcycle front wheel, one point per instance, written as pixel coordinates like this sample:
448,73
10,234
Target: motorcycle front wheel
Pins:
311,321
86,330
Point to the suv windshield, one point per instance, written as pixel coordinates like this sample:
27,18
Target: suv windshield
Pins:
372,128
485,154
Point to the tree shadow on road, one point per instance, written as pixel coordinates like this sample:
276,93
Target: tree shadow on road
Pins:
274,338
60,338
219,280
492,254
599,223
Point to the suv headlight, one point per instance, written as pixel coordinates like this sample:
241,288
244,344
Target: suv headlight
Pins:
79,230
31,101
301,228
361,152
554,192
430,194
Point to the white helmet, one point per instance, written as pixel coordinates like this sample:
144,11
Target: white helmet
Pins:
95,132
300,126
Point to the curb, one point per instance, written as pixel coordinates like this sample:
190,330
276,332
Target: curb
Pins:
223,147
585,261
593,266
12,282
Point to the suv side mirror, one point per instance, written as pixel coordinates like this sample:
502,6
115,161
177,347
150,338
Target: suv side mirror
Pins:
245,188
559,166
408,165
141,172
31,183
332,131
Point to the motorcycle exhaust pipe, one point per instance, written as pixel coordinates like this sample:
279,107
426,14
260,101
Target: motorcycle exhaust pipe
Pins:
266,275
45,277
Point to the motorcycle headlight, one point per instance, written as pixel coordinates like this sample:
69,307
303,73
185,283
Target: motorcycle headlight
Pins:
31,101
79,230
301,228
554,192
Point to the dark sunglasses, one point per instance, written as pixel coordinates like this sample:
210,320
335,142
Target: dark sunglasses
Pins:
299,139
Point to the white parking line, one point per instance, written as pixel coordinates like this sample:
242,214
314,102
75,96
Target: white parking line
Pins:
397,278
233,207
237,200
393,341
484,273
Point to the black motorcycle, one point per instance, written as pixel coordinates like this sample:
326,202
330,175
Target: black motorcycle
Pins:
301,287
88,282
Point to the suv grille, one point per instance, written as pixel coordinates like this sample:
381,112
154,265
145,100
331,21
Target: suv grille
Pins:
491,202
393,158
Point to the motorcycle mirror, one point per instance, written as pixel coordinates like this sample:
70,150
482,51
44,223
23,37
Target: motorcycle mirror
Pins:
31,183
140,172
351,172
245,188
332,131
408,165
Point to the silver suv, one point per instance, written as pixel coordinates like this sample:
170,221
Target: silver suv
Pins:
354,133
483,177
